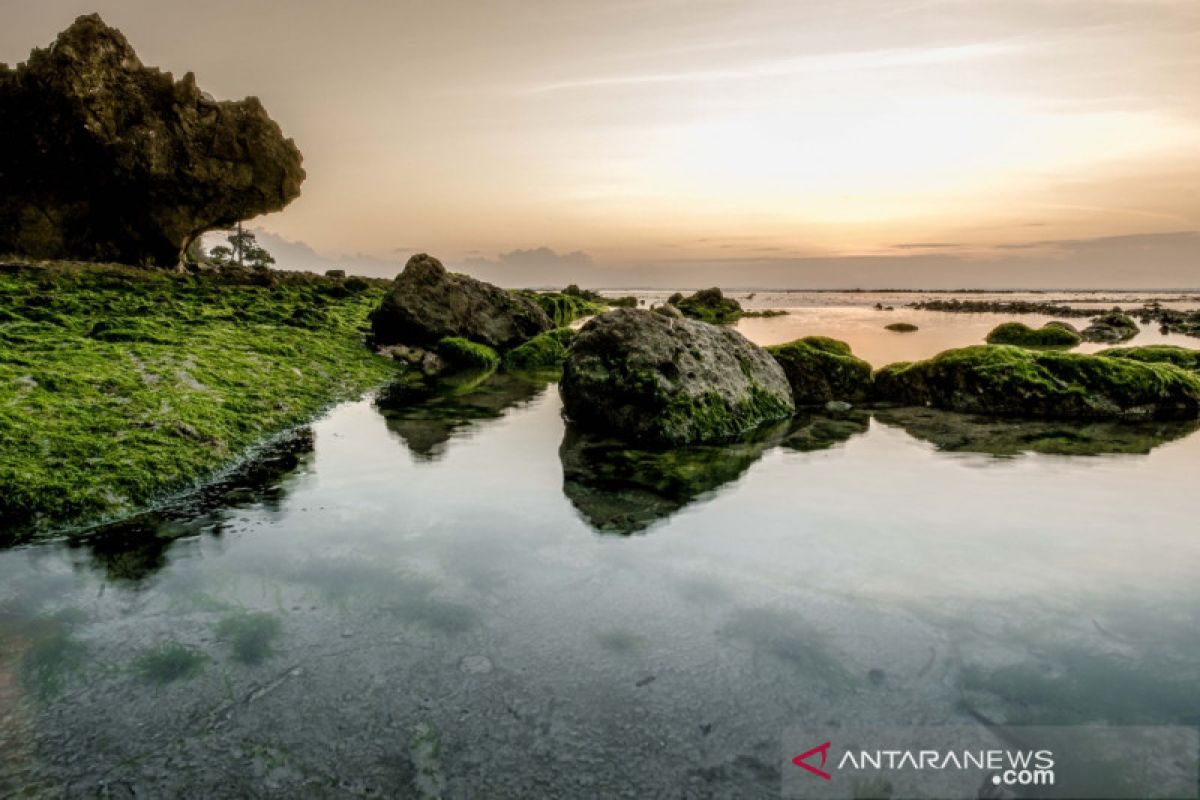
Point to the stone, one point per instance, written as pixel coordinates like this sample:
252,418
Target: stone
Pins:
105,159
1111,327
645,377
426,304
821,370
709,305
1049,335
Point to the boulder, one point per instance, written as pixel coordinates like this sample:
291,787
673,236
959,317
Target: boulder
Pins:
822,370
1111,327
1049,335
426,303
546,351
710,305
105,159
1007,380
646,377
902,327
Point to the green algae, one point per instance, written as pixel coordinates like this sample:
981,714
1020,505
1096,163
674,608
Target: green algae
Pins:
1020,334
464,354
1157,354
119,386
543,352
820,369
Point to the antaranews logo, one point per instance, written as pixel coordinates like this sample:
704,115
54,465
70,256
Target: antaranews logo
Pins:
972,761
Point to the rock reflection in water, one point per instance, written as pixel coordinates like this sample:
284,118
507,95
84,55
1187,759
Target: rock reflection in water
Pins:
426,415
954,432
131,551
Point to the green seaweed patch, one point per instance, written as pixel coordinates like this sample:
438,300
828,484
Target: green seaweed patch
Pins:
1020,334
1157,354
153,382
545,351
710,416
564,308
464,354
170,662
820,369
250,636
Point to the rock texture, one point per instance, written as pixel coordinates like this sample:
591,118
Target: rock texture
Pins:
104,159
646,377
821,370
426,304
1007,380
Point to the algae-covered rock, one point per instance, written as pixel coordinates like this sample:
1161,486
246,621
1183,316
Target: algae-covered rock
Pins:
622,489
1007,380
465,354
426,304
820,370
1111,327
902,327
1157,354
565,307
104,159
1020,334
967,433
710,305
643,376
545,351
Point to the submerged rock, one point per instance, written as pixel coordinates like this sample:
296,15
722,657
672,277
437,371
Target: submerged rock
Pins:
1111,327
1007,380
821,370
954,432
1049,335
709,305
902,327
426,304
104,159
643,376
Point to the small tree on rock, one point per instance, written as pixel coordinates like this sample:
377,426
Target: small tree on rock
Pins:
243,251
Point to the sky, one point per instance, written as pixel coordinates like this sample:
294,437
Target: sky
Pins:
679,143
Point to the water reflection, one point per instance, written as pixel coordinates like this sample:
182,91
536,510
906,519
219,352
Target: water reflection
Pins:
130,552
955,432
425,416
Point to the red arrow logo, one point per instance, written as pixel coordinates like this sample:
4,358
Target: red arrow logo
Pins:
800,760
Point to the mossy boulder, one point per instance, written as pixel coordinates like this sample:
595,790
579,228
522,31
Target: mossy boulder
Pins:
902,327
645,377
710,305
465,354
1020,334
1007,380
820,369
545,351
1157,354
426,303
564,308
1111,327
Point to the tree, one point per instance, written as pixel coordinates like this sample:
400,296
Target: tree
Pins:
243,250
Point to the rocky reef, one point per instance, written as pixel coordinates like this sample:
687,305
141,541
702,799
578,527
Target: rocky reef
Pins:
820,370
104,159
1110,327
648,377
426,304
1052,334
1011,381
709,305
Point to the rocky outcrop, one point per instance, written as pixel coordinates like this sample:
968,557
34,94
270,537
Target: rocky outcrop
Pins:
821,370
646,377
1007,380
1052,334
1111,327
104,159
426,304
709,305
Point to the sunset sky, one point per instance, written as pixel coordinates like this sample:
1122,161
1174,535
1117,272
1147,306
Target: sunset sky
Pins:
744,142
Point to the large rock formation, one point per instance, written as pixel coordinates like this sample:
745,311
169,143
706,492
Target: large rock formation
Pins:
104,159
426,304
821,369
1007,380
646,377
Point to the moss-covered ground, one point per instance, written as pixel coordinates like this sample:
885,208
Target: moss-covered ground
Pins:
119,386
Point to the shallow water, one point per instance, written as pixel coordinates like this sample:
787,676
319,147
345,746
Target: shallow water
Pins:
464,598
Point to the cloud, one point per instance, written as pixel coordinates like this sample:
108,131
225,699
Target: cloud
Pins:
926,245
538,266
